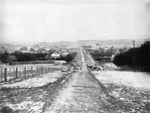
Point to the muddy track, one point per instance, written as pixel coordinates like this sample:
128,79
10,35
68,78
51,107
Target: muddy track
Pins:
45,94
78,92
83,93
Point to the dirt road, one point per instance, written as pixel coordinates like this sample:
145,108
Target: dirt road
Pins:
80,94
83,93
76,92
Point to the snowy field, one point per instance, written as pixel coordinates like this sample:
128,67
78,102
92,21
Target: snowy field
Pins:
30,70
28,96
33,107
133,79
37,81
31,65
129,89
110,66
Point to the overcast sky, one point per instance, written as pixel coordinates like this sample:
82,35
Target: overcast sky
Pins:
55,21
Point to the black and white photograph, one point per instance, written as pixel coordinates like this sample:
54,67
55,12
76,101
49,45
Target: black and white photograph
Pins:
74,56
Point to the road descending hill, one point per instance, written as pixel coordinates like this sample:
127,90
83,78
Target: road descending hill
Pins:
79,90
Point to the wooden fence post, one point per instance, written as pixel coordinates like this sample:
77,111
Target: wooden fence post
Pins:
45,69
1,74
5,74
16,72
20,71
48,69
41,70
31,71
36,70
10,74
25,71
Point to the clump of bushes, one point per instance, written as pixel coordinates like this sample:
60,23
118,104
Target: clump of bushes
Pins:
67,58
26,57
20,57
136,58
101,55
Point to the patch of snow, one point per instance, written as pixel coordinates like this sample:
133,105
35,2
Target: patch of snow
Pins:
134,79
27,105
36,81
64,98
111,66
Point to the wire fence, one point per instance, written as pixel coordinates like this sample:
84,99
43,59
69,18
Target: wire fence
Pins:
12,73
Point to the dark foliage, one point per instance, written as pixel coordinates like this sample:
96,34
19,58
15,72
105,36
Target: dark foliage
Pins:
21,57
3,57
101,55
24,56
67,58
138,58
6,110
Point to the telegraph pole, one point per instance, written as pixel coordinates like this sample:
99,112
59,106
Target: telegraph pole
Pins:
134,54
134,44
149,55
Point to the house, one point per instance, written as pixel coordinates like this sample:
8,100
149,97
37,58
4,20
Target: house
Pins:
32,50
64,53
73,49
25,51
60,62
55,55
112,57
47,49
10,51
42,50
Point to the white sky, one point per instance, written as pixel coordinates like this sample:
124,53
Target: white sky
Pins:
32,22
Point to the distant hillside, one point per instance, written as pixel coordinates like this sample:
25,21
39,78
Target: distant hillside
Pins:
115,43
103,43
4,43
59,44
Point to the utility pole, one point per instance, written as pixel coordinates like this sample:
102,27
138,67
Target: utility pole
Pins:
134,54
133,43
149,55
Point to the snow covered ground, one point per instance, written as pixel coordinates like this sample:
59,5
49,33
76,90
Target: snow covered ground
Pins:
30,105
110,66
133,79
35,82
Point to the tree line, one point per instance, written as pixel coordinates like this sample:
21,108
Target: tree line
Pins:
21,57
101,55
135,58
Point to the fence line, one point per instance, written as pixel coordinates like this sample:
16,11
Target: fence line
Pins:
11,73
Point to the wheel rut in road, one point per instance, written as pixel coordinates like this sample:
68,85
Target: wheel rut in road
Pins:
82,94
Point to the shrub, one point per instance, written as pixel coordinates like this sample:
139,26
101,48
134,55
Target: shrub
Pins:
135,57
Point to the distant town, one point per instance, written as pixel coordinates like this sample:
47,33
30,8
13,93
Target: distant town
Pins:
108,48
